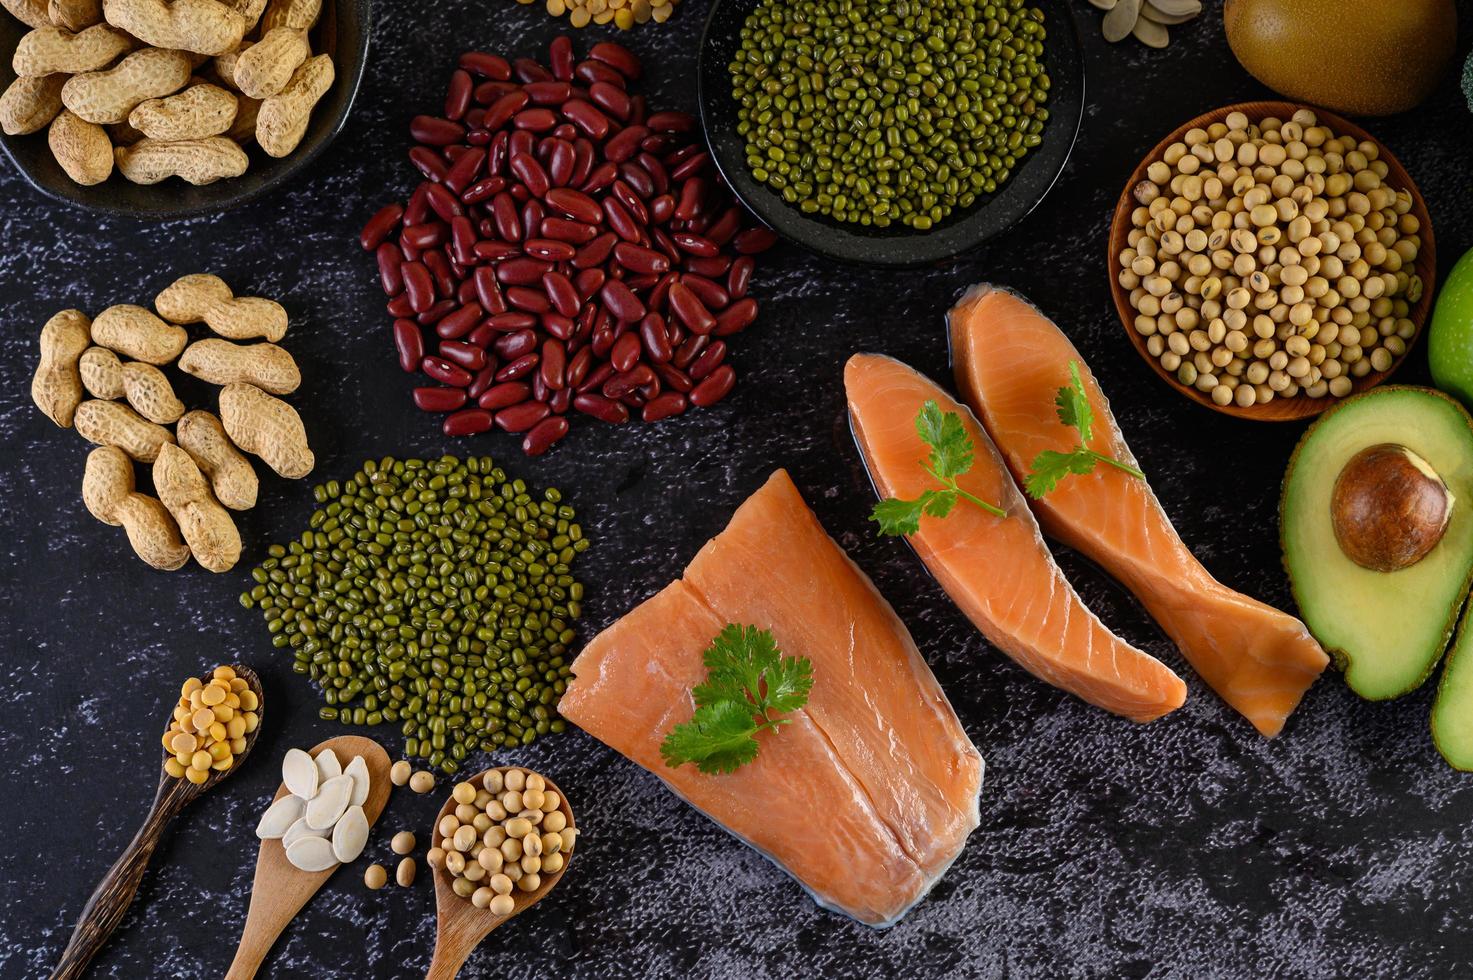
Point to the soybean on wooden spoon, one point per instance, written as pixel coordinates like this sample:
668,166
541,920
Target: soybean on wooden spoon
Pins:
109,902
280,889
459,925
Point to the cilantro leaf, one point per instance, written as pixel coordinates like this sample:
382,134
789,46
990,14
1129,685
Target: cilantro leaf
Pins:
938,503
1073,405
719,737
747,681
897,517
1050,467
951,450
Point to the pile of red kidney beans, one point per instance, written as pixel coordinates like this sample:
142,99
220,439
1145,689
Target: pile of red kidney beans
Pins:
567,249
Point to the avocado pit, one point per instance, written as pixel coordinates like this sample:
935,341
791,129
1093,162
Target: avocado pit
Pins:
1389,508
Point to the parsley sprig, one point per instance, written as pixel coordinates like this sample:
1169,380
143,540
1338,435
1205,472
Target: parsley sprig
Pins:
748,681
1050,467
951,456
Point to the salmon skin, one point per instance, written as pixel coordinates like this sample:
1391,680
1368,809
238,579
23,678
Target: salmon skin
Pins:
875,766
1010,361
998,569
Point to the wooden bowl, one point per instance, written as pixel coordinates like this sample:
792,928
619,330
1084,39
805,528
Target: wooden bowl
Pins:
1300,406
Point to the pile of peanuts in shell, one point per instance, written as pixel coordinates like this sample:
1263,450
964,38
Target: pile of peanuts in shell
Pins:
1270,259
623,14
509,834
566,250
209,726
156,90
105,377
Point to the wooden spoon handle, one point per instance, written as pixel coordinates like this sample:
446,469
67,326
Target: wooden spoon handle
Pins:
447,961
109,902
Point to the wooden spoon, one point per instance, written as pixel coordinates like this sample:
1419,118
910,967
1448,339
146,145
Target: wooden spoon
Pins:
109,902
459,925
281,889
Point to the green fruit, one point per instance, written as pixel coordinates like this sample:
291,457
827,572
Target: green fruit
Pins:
1382,481
1452,713
1450,336
1363,57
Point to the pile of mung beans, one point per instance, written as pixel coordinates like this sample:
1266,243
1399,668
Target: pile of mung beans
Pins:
433,594
1271,258
881,112
568,251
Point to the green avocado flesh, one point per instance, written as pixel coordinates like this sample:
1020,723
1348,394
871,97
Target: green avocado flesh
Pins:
1452,713
1385,629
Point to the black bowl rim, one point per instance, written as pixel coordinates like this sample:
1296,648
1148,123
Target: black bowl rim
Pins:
955,237
71,193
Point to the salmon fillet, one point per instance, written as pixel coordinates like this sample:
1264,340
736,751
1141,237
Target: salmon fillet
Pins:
882,764
1010,360
998,570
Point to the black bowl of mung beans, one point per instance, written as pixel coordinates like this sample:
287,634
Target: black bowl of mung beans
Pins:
891,132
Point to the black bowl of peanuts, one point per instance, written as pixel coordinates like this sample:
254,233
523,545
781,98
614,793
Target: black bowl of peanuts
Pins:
159,121
1268,260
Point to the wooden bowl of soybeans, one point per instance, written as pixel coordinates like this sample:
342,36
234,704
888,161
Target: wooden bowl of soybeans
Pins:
1269,259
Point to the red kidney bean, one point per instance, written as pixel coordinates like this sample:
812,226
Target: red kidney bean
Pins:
526,169
736,317
664,406
548,93
674,378
725,228
464,170
505,395
467,421
483,335
531,300
520,418
709,360
436,313
508,221
486,94
691,166
445,372
514,346
591,72
549,249
439,267
458,96
712,294
621,221
754,240
582,161
685,305
483,190
637,258
603,337
562,293
654,339
522,271
692,197
519,368
711,267
554,363
542,436
486,65
596,377
484,379
559,326
488,290
595,252
661,208
587,284
384,221
659,177
599,178
418,286
695,244
434,131
532,214
659,143
619,300
439,399
418,207
740,276
617,57
690,350
410,344
489,250
503,109
463,240
626,382
578,366
538,120
586,117
428,162
575,205
625,353
625,144
639,178
560,57
399,306
716,386
572,232
389,269
528,70
427,235
511,322
671,122
560,163
632,202
611,99
520,141
460,322
464,355
604,409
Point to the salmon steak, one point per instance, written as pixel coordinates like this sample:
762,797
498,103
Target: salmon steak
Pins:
885,767
1010,362
998,570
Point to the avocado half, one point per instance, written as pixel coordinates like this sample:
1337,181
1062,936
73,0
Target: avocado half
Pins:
1385,629
1452,712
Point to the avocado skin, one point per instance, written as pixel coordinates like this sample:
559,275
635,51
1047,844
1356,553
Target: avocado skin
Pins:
1338,656
1360,57
1459,757
1450,333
